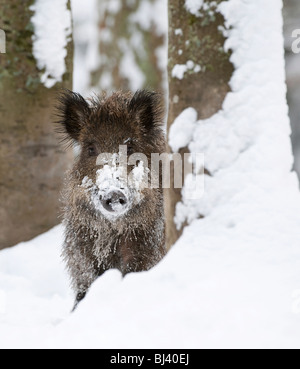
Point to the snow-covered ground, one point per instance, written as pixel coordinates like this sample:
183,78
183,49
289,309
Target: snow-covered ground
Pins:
233,279
222,285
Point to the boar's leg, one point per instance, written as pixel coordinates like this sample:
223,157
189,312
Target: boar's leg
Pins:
82,291
80,296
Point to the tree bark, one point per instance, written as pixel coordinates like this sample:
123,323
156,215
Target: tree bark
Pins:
32,165
128,48
197,39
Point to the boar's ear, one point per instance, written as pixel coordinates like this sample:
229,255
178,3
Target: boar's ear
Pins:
147,108
71,111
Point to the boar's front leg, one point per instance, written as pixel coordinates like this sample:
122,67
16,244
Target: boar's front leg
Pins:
81,291
81,266
80,296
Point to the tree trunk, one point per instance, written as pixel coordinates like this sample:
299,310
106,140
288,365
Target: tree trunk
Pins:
32,165
130,48
196,44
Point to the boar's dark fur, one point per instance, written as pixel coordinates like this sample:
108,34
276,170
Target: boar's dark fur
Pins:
93,243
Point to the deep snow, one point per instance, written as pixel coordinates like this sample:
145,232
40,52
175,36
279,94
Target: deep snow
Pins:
222,285
233,279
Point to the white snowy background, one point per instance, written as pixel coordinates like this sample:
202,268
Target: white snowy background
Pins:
233,279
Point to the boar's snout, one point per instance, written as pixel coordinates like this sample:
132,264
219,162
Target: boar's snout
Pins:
115,202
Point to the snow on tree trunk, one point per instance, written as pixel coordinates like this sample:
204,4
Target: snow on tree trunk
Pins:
132,45
38,61
199,72
247,143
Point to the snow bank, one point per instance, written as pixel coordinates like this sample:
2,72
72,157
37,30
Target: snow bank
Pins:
52,30
34,291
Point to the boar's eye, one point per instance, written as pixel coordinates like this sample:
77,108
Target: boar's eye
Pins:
92,151
130,150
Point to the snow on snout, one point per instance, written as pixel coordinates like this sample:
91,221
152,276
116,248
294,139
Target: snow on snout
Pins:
111,179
